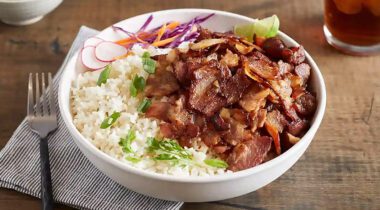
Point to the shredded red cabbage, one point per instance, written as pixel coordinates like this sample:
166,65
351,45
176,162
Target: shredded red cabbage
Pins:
184,31
143,27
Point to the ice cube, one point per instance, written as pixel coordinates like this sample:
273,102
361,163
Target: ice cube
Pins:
349,7
373,6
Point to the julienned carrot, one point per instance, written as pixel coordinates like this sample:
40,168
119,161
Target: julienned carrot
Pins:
144,35
164,42
161,32
172,25
133,39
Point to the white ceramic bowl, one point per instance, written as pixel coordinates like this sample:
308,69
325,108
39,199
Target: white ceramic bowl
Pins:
191,189
25,12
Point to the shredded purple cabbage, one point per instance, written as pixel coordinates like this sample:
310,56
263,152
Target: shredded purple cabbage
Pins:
147,22
117,28
183,31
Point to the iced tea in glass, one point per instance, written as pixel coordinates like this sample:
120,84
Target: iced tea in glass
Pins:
353,26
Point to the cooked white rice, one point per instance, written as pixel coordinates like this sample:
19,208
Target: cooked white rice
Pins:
91,104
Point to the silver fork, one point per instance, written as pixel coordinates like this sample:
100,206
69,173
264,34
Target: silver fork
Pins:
42,119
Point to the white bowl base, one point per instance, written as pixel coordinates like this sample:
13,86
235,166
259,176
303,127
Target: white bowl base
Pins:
22,22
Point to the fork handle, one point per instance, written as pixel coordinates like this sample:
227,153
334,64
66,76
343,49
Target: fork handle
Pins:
46,186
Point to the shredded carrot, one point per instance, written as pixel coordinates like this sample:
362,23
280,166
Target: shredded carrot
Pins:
125,41
140,40
161,32
132,39
164,42
172,25
142,36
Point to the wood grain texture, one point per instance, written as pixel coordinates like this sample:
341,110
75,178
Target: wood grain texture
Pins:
341,168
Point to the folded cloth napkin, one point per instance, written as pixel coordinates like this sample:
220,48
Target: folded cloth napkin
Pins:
76,182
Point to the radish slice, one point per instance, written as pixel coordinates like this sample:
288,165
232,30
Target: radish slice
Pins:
89,60
92,41
108,51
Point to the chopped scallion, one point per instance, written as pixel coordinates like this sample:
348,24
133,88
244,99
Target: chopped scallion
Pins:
216,163
110,120
104,75
149,64
137,85
133,159
144,105
125,143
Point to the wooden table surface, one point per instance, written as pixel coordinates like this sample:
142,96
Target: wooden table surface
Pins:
341,168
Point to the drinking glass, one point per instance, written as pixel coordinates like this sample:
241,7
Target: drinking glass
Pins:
353,26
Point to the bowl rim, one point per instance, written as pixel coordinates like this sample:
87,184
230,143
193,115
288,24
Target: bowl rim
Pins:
16,1
79,139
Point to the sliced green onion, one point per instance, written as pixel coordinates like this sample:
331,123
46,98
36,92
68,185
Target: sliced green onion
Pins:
104,75
149,64
137,85
110,120
125,143
133,159
146,55
133,90
216,163
144,105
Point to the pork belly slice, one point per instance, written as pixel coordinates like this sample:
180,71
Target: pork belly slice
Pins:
234,87
275,123
249,153
161,83
203,94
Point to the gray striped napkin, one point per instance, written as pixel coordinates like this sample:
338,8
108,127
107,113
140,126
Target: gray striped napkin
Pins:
76,182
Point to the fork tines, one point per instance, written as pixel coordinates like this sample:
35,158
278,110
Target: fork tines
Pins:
42,105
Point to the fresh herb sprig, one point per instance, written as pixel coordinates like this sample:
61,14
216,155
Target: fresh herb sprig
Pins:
168,150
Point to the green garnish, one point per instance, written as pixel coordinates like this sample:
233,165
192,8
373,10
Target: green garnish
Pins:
137,85
104,75
167,149
110,120
144,105
146,55
133,159
267,27
216,163
125,143
149,64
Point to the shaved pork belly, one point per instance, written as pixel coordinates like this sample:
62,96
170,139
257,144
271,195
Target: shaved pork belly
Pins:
240,99
249,153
